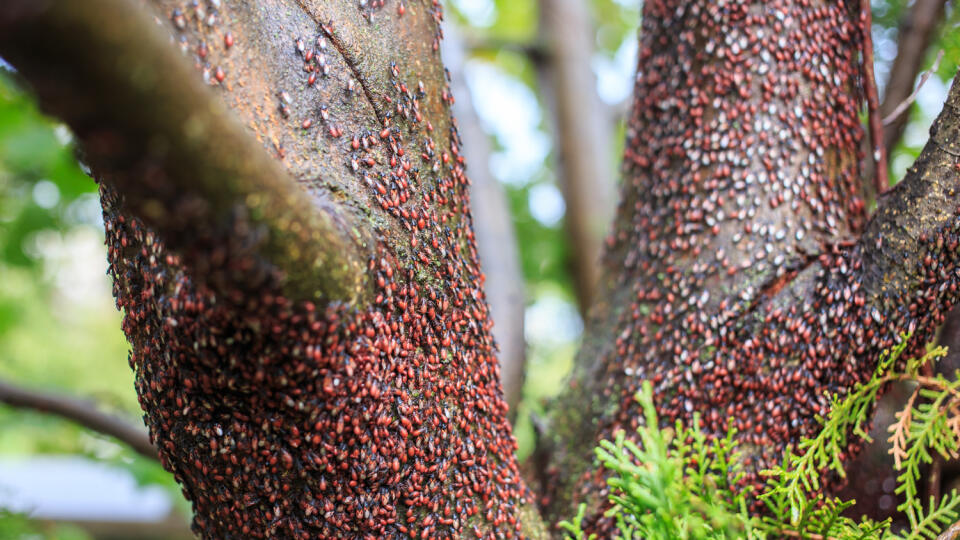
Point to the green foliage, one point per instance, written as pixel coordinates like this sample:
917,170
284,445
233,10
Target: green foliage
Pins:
575,528
15,526
50,241
678,483
925,429
33,150
801,473
683,487
948,39
44,343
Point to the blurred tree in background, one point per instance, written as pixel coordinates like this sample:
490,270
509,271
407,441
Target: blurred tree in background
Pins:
59,329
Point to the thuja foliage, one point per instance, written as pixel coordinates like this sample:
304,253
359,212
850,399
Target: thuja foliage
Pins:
677,483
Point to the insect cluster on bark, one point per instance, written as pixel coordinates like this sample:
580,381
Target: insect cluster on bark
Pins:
286,418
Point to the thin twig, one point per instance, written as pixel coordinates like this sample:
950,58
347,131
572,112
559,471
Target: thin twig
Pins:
82,412
932,382
905,104
901,428
805,535
917,30
881,180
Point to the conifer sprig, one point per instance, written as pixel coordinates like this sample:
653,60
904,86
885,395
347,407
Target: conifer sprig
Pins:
679,483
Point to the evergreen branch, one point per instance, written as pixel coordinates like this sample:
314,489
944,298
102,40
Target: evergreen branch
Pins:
928,432
682,483
901,428
939,516
801,474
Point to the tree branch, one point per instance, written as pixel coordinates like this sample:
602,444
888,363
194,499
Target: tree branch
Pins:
180,160
266,411
82,412
913,39
952,532
921,209
879,152
915,34
905,104
729,282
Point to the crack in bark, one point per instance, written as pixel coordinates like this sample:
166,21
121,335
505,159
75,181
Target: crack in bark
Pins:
344,53
772,287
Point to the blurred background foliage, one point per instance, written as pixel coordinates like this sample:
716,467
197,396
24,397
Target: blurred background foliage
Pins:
59,327
60,330
887,15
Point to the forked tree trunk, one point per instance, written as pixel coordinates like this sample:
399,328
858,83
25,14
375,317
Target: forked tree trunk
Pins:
301,288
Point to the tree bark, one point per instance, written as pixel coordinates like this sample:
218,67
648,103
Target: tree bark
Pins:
872,471
291,406
493,226
741,279
182,161
736,282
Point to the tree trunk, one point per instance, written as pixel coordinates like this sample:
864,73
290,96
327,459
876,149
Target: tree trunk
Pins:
494,230
582,135
345,391
742,280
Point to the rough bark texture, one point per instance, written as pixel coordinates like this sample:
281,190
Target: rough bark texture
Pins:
181,159
286,415
871,477
735,281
